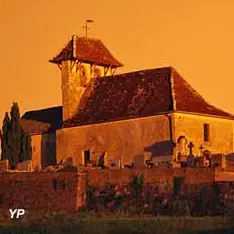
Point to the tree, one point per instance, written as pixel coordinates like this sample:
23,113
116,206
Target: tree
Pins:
16,144
26,148
137,186
4,132
14,135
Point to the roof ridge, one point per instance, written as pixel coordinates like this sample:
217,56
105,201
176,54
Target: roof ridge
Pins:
45,108
88,38
171,80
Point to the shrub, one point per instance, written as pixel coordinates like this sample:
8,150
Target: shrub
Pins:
137,186
178,182
90,194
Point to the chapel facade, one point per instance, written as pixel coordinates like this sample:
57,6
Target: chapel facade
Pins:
116,121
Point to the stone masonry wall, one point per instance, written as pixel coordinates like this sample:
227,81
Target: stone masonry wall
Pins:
191,126
73,84
64,191
36,152
4,165
156,175
120,139
43,150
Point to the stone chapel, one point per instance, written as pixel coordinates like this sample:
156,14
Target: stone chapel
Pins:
125,119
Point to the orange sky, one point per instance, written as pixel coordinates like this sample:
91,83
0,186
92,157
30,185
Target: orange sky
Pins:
194,36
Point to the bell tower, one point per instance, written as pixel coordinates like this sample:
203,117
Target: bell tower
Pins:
81,60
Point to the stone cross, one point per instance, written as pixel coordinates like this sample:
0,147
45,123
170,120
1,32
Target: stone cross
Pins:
190,146
201,149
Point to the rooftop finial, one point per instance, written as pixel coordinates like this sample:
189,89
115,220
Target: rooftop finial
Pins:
86,27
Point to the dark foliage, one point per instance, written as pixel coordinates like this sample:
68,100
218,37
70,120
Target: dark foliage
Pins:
4,144
15,143
137,186
139,198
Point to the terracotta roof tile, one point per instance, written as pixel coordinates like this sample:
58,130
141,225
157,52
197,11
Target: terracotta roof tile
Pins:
87,50
139,94
189,100
130,95
125,96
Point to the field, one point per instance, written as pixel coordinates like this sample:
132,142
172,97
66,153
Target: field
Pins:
110,223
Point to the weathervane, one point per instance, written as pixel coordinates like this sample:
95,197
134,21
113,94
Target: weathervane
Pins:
86,27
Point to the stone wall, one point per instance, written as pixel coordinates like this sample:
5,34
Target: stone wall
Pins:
191,126
66,191
229,162
122,140
48,149
4,165
36,152
43,150
73,84
153,176
35,191
26,165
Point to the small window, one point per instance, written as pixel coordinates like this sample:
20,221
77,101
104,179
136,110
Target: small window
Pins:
206,132
55,183
86,157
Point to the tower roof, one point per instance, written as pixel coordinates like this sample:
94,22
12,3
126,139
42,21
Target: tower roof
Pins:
86,50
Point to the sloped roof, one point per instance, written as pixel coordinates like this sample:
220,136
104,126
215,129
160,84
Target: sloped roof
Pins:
140,94
187,99
86,50
125,96
41,121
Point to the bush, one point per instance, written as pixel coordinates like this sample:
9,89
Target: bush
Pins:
137,186
90,194
180,207
178,182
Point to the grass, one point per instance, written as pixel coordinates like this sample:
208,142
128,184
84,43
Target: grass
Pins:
111,223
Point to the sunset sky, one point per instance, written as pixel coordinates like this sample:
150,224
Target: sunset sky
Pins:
196,37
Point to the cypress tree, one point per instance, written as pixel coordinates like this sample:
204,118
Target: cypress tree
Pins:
15,143
23,149
26,148
3,134
14,136
29,148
